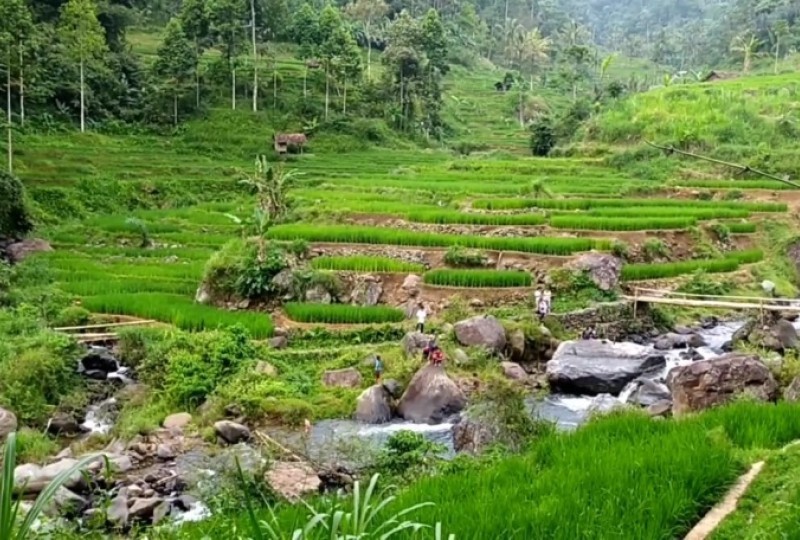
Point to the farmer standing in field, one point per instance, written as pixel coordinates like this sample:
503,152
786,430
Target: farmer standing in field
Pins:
378,369
422,314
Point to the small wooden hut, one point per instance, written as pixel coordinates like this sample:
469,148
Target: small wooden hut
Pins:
289,142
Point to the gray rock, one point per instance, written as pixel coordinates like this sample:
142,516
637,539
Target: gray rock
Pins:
231,432
460,357
411,285
597,367
67,502
177,421
19,251
117,514
33,479
414,342
709,383
474,432
8,423
202,295
143,508
604,404
342,378
374,406
99,359
63,424
394,388
648,392
165,452
679,341
661,408
792,392
161,511
318,295
282,281
266,369
431,397
481,331
516,345
279,342
603,269
367,292
513,371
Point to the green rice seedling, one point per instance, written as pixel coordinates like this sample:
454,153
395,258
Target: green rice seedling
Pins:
380,235
477,278
471,218
180,311
733,184
602,223
365,263
730,263
342,313
741,228
667,211
589,204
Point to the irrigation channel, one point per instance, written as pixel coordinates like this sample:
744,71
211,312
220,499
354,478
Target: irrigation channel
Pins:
333,440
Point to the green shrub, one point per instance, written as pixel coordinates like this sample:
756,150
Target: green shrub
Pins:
477,278
654,248
620,249
72,316
408,455
467,258
543,137
733,195
35,446
379,235
722,232
15,221
365,263
701,283
342,314
601,223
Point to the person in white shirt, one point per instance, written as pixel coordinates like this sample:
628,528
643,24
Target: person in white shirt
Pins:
548,299
422,314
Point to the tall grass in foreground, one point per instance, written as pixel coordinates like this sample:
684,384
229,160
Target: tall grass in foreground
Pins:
365,263
477,278
602,223
342,313
179,311
730,263
379,235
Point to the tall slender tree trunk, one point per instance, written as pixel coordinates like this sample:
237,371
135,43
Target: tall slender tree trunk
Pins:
274,85
21,88
233,89
8,111
197,74
83,101
531,81
175,108
305,76
369,53
777,52
255,54
327,91
521,114
344,101
506,10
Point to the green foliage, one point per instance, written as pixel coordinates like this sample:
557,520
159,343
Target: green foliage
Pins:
701,283
477,278
14,524
460,257
472,218
590,204
35,446
72,316
730,263
741,228
342,314
365,263
408,455
620,249
603,223
176,62
378,235
654,248
254,279
15,220
721,231
543,137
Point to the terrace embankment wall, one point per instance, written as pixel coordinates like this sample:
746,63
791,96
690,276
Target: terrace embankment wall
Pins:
613,320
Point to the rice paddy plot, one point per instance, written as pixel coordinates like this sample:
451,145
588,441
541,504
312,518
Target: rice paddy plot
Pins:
357,263
180,311
672,211
729,263
379,235
477,278
602,223
589,204
342,313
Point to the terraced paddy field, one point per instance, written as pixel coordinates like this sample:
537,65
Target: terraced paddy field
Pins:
478,225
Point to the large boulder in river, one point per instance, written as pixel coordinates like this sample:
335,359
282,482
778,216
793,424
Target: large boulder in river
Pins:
481,331
709,383
343,378
646,392
777,335
99,359
679,341
8,423
599,366
603,269
431,397
374,406
32,478
231,432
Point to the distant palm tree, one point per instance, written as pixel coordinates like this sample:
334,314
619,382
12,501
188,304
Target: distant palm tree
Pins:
747,45
535,51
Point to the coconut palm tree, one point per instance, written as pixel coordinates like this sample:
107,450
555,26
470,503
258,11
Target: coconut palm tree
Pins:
535,51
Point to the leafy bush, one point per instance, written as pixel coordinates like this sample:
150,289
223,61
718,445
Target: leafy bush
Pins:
701,283
342,314
654,248
72,316
365,263
477,278
409,455
543,137
722,232
461,257
254,280
620,249
15,220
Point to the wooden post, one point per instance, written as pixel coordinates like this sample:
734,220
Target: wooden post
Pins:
635,301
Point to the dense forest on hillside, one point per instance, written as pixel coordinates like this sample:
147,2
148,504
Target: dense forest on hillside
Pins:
75,62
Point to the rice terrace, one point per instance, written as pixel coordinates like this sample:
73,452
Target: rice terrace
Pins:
407,269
